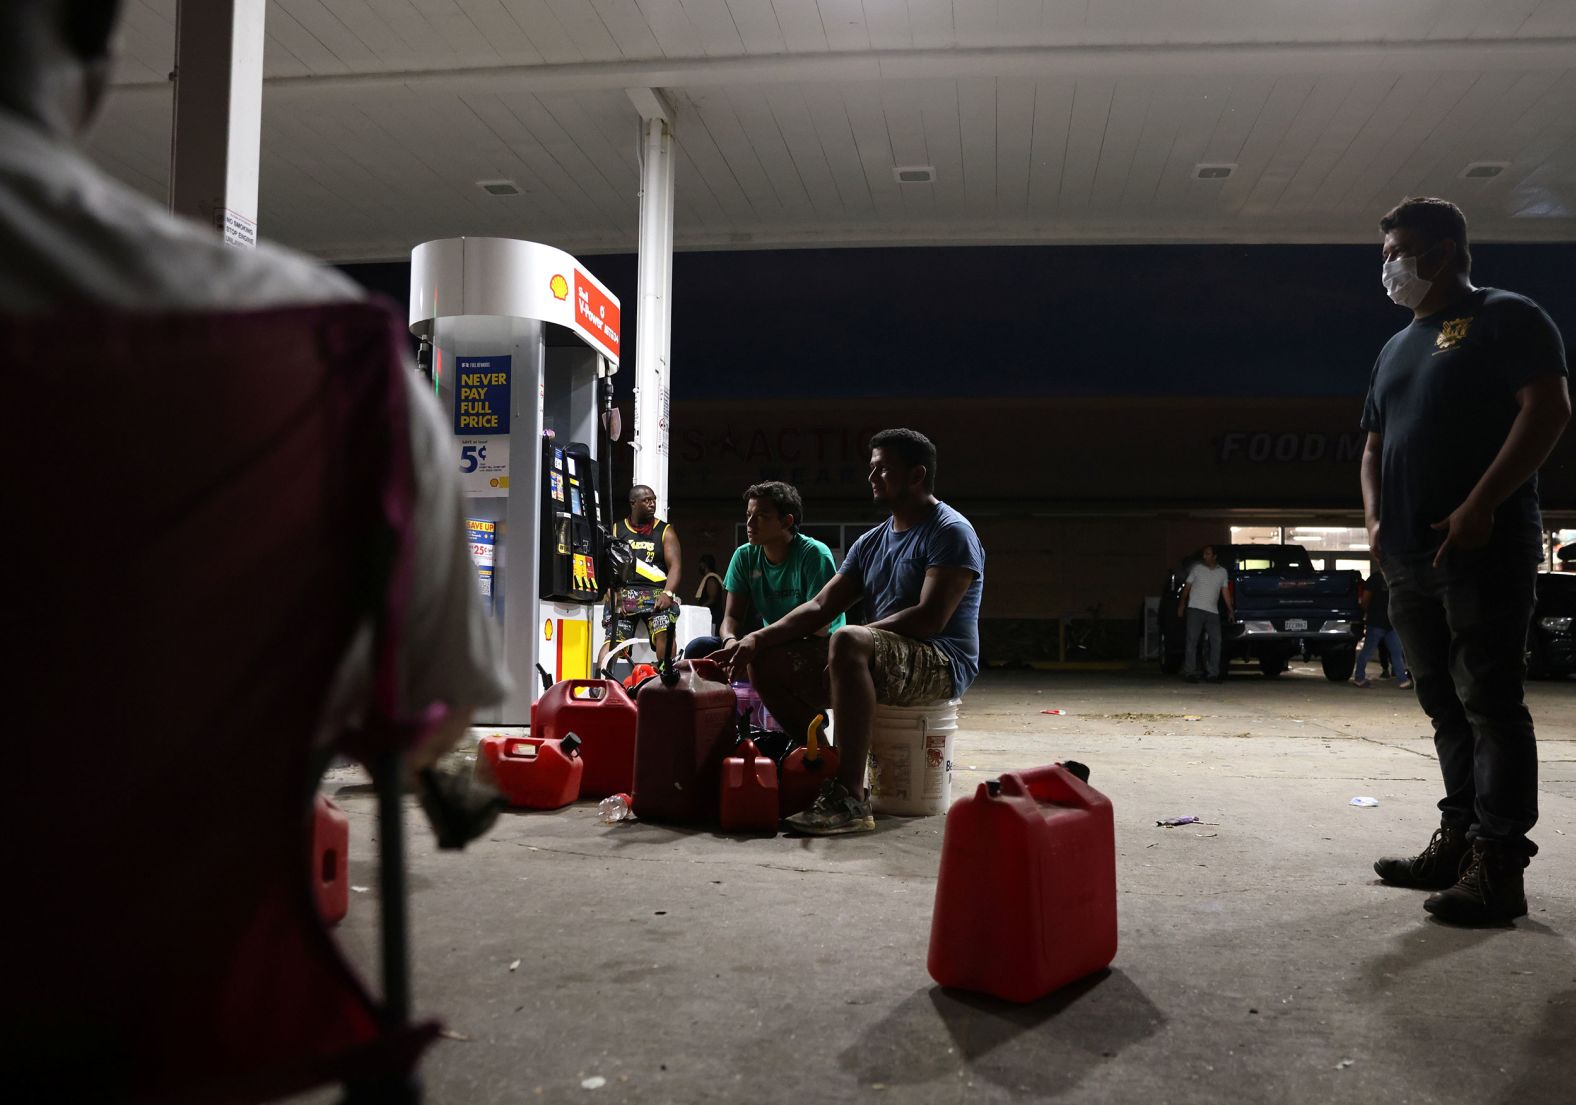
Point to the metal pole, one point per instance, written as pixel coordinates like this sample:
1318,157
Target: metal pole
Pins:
217,133
392,905
655,294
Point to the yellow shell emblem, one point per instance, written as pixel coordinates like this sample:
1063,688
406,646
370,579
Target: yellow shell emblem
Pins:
559,286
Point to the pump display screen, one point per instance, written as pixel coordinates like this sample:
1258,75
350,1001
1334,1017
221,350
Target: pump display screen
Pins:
574,501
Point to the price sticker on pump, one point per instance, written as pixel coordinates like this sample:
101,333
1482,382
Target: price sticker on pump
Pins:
484,465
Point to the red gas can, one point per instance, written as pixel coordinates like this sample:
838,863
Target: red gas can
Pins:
601,713
684,730
748,800
533,772
1026,898
805,769
330,859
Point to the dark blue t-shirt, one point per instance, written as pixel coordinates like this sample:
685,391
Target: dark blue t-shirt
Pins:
890,567
1443,397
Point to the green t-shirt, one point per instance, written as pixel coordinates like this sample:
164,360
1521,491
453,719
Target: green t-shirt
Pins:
775,589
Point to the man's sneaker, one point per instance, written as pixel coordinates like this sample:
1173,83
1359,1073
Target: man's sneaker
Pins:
1437,867
833,812
1490,890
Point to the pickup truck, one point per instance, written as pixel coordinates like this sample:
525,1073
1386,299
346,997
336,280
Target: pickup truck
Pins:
1551,639
1284,608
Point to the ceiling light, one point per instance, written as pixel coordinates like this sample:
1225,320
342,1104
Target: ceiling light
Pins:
1213,171
914,174
1484,170
499,187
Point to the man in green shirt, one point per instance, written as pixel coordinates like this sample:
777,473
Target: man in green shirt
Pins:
779,568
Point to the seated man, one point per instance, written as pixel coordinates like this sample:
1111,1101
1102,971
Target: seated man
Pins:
777,570
75,238
921,575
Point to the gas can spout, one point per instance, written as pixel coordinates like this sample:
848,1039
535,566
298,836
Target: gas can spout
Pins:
812,739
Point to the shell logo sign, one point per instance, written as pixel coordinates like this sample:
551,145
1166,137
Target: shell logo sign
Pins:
559,286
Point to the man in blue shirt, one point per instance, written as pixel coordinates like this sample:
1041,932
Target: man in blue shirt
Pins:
921,575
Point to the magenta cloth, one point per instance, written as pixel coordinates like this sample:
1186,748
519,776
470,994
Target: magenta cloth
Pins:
202,510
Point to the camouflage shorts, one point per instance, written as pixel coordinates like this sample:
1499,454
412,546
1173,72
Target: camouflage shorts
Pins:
906,672
909,672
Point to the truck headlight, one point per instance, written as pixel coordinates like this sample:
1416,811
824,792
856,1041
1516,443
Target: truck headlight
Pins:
1336,627
1556,624
1258,627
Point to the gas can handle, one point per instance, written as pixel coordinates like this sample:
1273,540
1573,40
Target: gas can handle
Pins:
604,685
522,748
1052,783
705,669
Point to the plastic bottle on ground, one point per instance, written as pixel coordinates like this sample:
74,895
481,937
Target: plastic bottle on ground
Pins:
616,808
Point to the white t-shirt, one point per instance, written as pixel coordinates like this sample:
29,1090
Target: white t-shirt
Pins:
1207,584
70,234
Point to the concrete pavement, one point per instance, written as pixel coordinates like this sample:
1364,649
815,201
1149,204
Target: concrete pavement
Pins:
1260,960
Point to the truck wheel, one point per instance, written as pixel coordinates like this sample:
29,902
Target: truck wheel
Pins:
1272,666
1338,664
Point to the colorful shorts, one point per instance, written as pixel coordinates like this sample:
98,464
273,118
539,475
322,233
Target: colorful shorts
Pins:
632,607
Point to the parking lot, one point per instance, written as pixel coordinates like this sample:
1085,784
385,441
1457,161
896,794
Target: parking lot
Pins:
1259,958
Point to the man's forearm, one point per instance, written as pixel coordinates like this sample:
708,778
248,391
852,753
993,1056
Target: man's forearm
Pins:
1370,485
1531,439
909,623
799,622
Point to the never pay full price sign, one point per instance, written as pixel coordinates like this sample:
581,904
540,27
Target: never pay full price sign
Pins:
481,396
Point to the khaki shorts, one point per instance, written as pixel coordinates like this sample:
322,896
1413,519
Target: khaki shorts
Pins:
906,672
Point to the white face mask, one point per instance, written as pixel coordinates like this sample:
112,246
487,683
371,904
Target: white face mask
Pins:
1405,287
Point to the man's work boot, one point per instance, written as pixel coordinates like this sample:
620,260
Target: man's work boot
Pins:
1490,890
1437,867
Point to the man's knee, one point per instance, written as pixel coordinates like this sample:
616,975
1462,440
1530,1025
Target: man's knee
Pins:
851,648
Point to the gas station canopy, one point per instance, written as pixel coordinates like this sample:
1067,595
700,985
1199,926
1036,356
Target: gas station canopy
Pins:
848,122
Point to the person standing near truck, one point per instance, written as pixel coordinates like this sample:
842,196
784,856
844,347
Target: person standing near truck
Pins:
1465,404
1376,610
1208,585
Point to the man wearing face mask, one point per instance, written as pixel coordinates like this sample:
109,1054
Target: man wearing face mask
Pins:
1464,406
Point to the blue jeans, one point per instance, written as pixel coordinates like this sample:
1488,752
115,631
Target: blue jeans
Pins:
1371,645
1464,626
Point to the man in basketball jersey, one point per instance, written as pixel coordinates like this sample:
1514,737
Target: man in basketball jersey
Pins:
651,596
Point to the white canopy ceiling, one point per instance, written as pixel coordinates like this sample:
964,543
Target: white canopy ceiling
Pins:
1043,120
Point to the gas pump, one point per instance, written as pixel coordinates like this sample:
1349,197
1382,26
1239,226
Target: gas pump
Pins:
522,338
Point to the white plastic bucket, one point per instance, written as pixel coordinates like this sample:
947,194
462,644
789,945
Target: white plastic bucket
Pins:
911,758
